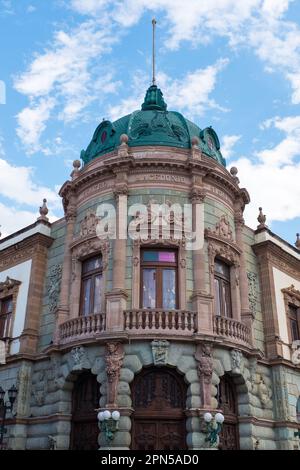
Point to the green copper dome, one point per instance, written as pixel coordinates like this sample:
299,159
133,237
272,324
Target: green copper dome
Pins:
153,125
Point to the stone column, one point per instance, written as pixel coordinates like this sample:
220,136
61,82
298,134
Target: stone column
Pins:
202,300
246,314
63,310
116,299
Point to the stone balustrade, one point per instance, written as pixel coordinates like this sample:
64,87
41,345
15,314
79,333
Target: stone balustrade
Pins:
177,322
231,329
82,327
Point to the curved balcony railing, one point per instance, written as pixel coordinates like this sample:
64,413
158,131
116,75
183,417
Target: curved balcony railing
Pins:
231,329
82,327
177,322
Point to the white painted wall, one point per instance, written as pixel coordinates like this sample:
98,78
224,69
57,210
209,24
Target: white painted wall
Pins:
21,273
283,281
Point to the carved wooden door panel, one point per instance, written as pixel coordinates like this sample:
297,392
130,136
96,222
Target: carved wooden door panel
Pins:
86,395
229,437
159,397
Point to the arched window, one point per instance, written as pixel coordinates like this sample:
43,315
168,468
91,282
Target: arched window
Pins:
298,410
91,286
159,279
222,289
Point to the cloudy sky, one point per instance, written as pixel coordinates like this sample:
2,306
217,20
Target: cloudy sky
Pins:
67,64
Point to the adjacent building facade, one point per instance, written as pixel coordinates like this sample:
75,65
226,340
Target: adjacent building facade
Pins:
147,325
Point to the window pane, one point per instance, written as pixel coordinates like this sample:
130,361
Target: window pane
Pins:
149,288
169,288
167,256
293,311
86,301
150,255
92,264
97,294
222,268
217,297
295,330
159,256
6,306
227,299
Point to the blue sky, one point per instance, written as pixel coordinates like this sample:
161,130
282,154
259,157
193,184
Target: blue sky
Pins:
66,64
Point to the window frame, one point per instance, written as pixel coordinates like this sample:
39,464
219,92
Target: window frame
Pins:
7,317
86,276
291,299
294,318
222,281
159,266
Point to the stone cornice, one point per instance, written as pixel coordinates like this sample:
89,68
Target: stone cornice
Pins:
23,250
158,158
269,251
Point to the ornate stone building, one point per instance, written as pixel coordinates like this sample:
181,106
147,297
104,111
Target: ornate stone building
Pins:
148,326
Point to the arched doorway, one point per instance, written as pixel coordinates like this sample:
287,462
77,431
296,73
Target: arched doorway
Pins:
227,402
158,396
85,399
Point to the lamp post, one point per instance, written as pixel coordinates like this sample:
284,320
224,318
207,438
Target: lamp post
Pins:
6,406
109,423
213,428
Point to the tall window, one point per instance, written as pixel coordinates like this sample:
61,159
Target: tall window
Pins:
298,410
159,279
222,289
91,286
6,307
294,319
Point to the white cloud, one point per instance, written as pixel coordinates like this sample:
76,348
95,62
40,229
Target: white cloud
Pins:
31,9
191,94
273,180
228,143
13,219
61,78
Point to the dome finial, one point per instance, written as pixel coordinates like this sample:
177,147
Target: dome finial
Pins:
154,22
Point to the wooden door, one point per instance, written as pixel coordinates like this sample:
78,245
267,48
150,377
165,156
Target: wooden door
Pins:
159,397
85,430
227,402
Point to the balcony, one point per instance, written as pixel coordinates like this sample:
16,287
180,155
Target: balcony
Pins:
171,322
232,330
82,328
153,322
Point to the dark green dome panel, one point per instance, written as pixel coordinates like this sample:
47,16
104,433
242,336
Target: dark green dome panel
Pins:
153,125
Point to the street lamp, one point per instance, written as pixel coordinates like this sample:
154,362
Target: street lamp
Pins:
4,407
109,423
213,428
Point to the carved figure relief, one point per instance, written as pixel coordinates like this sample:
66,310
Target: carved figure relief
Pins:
252,283
89,224
222,229
80,358
114,360
236,360
204,359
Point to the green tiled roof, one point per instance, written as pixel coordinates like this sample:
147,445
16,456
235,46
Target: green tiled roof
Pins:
153,125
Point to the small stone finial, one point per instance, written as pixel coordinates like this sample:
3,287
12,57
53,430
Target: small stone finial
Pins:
44,211
124,139
297,243
195,142
76,166
261,219
234,172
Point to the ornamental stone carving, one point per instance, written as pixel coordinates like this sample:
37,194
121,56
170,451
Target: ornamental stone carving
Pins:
253,296
24,390
204,360
114,360
54,287
89,247
89,224
264,393
236,360
296,352
222,229
225,251
160,349
80,358
280,394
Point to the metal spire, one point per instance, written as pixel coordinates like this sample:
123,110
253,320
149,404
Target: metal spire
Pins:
153,51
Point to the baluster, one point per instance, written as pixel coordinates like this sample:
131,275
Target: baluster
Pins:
147,320
179,320
160,320
126,319
186,320
173,320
